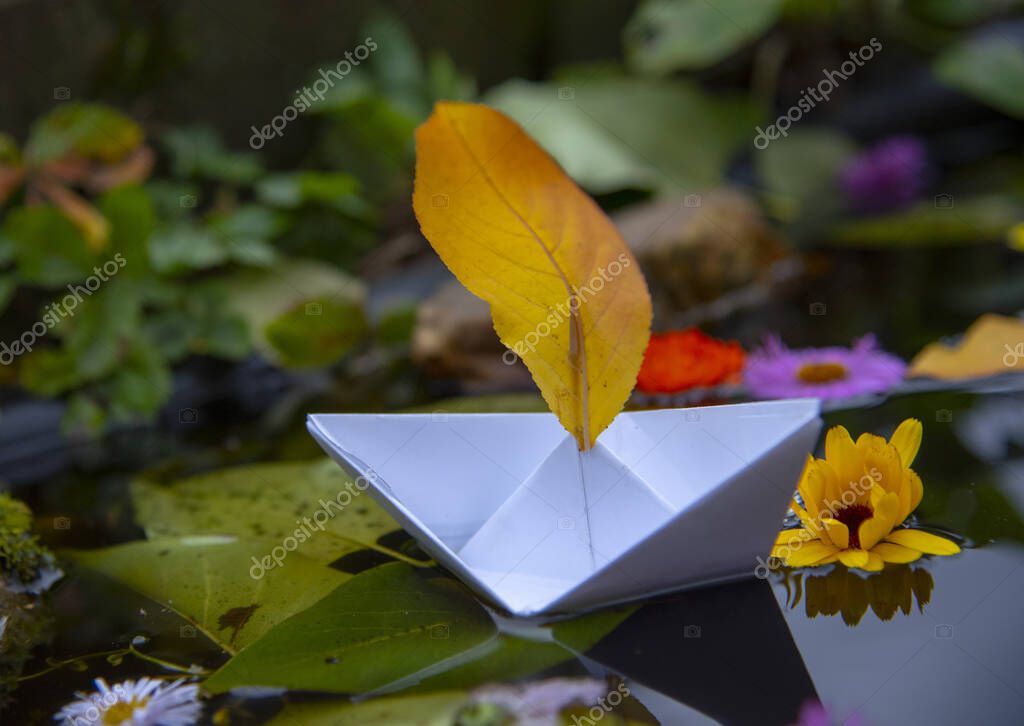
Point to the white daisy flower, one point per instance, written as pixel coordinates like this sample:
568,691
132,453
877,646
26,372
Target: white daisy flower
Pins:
145,702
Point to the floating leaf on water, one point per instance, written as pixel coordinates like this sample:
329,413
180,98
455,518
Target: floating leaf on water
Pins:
268,501
383,625
211,582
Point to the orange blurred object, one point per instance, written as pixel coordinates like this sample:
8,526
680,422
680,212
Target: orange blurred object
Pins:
683,359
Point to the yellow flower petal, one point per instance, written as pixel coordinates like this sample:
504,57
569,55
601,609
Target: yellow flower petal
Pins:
874,563
874,529
813,492
930,544
895,553
810,554
853,558
843,457
789,536
907,440
913,483
836,531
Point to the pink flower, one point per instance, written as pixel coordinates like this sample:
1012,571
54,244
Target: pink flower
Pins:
775,371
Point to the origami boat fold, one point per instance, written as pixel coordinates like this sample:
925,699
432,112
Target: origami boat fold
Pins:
666,499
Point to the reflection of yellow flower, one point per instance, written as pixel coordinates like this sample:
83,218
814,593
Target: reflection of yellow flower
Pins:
856,497
846,593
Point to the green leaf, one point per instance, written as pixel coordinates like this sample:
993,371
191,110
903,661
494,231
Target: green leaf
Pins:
184,246
208,581
799,173
132,219
334,189
432,709
8,286
396,64
197,152
617,133
973,221
141,384
316,333
90,130
247,234
84,414
670,35
381,626
990,69
48,248
301,312
267,501
509,657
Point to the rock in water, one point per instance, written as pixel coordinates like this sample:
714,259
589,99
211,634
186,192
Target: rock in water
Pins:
693,249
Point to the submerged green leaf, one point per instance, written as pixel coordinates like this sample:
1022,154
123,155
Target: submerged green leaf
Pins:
381,626
215,583
269,501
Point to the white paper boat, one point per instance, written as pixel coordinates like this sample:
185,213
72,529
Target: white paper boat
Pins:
666,499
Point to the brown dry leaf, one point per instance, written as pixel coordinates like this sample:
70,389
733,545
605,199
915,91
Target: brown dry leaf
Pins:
565,292
993,344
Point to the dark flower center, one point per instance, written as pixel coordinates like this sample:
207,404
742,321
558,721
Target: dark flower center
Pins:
821,372
852,517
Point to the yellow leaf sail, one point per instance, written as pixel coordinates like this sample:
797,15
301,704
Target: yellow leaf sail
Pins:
565,292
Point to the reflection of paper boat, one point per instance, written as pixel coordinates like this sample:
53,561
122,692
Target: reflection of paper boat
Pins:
666,499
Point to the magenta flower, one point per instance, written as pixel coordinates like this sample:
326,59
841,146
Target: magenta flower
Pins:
888,176
813,713
775,371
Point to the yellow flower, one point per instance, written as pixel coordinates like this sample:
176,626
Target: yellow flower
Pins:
856,497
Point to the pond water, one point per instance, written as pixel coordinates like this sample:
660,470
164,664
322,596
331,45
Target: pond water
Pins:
938,641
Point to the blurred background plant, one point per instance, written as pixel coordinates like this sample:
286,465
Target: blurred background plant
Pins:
304,253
